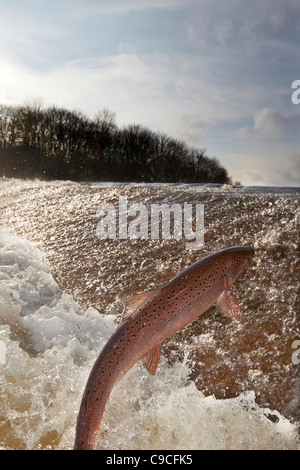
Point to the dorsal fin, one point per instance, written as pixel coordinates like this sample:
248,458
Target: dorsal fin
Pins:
134,301
227,303
151,360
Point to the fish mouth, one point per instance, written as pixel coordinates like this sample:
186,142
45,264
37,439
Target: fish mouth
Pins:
249,251
244,266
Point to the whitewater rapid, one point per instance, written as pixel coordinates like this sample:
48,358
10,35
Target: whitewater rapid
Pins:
50,339
51,344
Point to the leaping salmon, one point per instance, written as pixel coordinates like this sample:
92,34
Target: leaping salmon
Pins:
150,318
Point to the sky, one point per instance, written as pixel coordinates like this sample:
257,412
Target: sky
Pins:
216,74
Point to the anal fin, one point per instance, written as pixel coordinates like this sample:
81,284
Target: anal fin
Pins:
227,303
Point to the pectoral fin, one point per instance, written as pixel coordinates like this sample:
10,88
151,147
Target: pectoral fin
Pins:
151,360
228,304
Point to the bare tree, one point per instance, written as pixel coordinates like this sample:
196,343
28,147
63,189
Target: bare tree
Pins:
58,143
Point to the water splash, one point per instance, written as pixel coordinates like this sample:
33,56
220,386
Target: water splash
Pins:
60,301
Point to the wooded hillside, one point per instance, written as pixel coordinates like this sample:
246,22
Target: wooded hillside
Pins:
56,143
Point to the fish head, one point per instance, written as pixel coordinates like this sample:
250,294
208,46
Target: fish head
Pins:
238,258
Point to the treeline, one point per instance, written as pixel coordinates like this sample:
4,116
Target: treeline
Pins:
56,143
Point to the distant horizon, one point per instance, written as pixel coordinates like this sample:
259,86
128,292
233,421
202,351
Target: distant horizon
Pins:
224,185
224,77
128,183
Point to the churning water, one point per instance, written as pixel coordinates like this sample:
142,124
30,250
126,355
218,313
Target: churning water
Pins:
219,384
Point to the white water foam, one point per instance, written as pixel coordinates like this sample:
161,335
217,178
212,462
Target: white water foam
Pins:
50,345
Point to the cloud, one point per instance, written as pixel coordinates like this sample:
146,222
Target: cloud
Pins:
138,88
126,6
192,127
254,168
271,124
194,70
245,19
162,91
223,31
292,167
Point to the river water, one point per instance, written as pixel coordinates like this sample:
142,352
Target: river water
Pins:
219,384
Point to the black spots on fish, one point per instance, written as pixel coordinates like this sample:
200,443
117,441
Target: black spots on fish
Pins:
203,281
116,350
220,267
154,310
131,328
125,340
